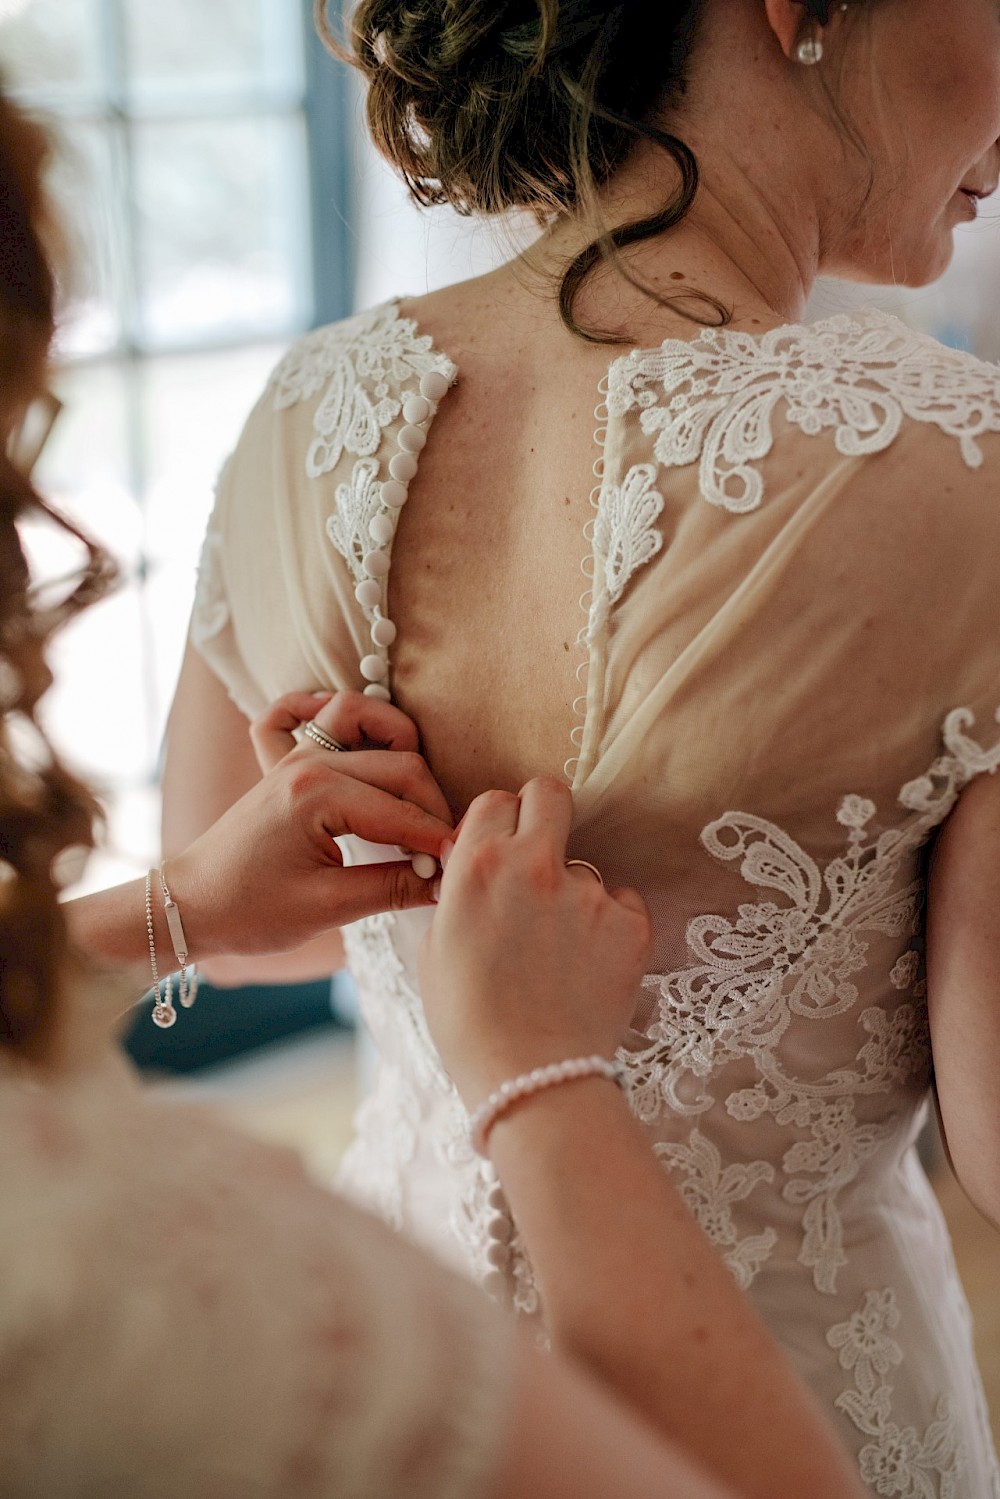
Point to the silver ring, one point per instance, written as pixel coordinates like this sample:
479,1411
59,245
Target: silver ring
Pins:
321,737
583,864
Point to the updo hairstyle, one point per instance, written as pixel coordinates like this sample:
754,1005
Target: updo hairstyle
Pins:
43,809
493,105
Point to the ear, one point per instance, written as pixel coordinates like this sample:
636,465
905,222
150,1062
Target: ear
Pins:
785,18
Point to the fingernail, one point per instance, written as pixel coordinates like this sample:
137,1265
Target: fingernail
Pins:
447,849
323,694
435,890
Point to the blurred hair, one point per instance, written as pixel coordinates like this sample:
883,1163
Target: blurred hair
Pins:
43,809
492,105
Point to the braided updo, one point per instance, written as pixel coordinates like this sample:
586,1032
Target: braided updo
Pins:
491,105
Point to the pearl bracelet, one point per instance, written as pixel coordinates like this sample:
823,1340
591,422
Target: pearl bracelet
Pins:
536,1081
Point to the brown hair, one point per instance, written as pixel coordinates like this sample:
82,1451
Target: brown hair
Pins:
43,809
492,105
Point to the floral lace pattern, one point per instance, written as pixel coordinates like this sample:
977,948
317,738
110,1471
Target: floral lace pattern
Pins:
714,399
358,501
897,1461
364,363
625,534
710,1189
796,961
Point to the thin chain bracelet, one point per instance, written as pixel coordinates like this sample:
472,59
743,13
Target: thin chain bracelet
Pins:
164,1014
187,984
536,1081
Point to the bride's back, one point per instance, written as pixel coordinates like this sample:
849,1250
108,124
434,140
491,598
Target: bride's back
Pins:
486,578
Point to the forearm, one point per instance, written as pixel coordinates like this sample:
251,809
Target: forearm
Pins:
317,959
630,1289
109,927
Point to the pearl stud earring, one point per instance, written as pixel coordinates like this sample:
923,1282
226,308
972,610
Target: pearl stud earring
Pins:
810,50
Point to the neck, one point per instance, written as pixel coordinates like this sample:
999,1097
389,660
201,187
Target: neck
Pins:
752,238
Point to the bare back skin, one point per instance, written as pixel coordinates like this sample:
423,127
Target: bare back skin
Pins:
486,580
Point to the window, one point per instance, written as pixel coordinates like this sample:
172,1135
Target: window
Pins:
202,172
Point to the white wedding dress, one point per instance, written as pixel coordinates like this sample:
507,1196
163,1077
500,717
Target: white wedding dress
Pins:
790,666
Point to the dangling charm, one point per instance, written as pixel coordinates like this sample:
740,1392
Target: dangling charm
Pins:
810,50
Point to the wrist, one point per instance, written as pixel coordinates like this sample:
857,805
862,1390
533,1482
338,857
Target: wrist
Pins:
527,1086
201,928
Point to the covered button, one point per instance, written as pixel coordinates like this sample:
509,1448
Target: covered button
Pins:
373,668
394,494
376,563
383,632
381,528
368,593
402,466
433,385
416,409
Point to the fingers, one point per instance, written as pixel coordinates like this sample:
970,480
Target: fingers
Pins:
631,900
403,775
271,733
363,808
494,814
350,717
359,721
547,812
365,889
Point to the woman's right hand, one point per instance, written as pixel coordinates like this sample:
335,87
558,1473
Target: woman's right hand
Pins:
268,876
526,962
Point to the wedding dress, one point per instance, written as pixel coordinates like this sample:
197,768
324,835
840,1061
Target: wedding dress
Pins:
789,674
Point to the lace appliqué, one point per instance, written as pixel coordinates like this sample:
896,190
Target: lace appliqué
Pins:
796,960
714,399
364,363
358,502
388,1122
625,534
709,1189
410,1081
897,1461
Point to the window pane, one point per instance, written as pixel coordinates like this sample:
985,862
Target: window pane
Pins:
194,408
101,720
51,45
222,218
85,467
218,47
87,183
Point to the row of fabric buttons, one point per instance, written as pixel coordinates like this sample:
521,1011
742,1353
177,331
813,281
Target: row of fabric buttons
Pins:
371,591
499,1232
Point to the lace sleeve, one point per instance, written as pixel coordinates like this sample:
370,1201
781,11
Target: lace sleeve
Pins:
212,629
183,1312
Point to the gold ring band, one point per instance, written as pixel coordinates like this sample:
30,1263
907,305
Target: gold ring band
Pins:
583,864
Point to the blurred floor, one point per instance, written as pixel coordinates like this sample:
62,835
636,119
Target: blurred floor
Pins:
303,1094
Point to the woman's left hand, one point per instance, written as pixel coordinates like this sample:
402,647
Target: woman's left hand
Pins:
527,962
